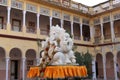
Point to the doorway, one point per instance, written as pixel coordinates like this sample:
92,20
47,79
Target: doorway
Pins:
14,69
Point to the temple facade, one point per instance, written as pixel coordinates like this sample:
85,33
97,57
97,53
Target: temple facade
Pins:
24,23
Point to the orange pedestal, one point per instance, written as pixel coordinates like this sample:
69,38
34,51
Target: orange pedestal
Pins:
59,72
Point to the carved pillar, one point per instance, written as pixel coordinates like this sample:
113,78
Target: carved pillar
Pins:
72,33
24,21
50,21
112,28
112,31
62,23
115,68
8,18
104,67
94,68
81,33
7,68
38,23
101,26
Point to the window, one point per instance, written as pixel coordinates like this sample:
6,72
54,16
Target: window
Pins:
16,25
31,27
1,22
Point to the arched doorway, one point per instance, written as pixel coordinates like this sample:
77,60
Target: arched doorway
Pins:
2,64
99,66
30,59
110,66
15,64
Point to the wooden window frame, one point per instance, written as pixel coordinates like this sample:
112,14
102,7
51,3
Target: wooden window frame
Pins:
18,26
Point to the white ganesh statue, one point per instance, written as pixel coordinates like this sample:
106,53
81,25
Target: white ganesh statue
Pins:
58,48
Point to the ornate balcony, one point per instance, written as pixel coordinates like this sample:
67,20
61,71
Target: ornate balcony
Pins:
86,9
69,4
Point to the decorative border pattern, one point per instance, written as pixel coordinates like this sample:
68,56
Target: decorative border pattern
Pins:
56,14
76,19
32,8
3,2
66,16
85,21
44,11
96,21
17,4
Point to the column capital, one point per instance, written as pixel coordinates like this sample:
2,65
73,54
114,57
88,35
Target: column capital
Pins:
7,58
38,14
24,11
9,8
50,17
23,57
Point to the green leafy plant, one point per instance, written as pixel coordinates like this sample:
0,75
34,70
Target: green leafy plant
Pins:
85,59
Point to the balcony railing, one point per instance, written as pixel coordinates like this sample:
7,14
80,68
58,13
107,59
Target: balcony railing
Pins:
76,37
117,35
44,32
107,36
3,2
86,38
31,30
16,28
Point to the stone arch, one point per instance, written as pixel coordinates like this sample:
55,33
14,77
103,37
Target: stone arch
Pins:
99,66
15,53
110,66
2,64
15,63
30,54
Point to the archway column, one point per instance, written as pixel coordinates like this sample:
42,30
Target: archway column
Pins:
7,67
94,68
115,68
104,67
